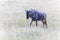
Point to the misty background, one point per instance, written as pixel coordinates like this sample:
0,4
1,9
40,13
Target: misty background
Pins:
13,20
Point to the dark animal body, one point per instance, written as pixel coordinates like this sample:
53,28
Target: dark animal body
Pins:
36,16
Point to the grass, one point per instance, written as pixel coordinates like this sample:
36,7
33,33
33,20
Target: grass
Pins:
19,29
15,26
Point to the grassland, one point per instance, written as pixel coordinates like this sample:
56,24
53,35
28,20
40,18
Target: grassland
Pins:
15,26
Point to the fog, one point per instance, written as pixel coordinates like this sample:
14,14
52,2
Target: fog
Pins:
15,26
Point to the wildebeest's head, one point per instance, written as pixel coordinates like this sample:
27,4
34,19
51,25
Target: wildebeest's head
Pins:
27,13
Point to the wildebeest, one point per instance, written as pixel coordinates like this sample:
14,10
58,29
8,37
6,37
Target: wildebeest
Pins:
36,16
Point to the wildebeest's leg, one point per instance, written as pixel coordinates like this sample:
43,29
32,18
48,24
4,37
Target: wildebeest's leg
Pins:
44,23
31,22
36,23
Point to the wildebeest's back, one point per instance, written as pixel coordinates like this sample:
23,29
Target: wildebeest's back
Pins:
41,15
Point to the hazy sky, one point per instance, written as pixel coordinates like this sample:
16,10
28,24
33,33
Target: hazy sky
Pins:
20,5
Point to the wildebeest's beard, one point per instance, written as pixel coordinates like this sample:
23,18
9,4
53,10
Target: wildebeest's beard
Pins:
27,14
